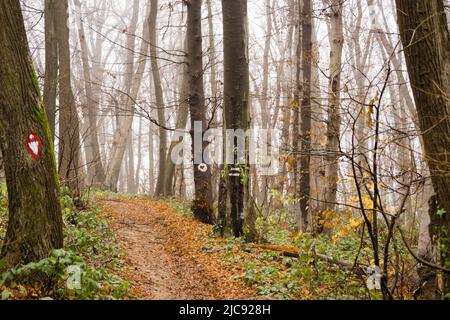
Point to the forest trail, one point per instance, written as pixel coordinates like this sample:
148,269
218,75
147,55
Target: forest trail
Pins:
165,260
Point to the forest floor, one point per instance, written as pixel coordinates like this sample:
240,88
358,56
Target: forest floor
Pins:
165,256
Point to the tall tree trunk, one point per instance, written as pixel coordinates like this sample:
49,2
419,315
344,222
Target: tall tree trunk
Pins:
69,131
137,173
265,99
359,58
96,171
133,84
385,42
181,122
304,191
426,41
427,284
51,65
212,54
151,160
286,112
35,220
334,111
131,184
202,204
318,166
297,92
159,97
234,198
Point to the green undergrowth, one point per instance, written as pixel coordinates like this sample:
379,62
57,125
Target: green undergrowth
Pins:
276,276
115,195
85,269
181,207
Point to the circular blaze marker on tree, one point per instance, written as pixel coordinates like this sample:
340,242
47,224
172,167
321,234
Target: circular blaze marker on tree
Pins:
33,144
202,167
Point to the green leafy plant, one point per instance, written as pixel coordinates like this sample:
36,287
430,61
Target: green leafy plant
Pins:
90,249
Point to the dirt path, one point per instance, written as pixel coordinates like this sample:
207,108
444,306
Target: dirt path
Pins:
165,256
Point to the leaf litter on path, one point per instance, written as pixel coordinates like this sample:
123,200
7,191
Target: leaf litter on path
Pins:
165,259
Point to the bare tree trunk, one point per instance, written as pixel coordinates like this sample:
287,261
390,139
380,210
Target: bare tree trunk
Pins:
318,166
265,99
304,191
96,171
360,56
35,219
386,43
51,65
181,122
122,133
234,198
202,203
160,107
282,99
286,112
137,172
212,51
427,284
296,134
151,156
69,132
426,41
334,111
212,54
131,184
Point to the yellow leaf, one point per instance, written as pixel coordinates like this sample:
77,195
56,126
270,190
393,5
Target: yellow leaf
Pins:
345,88
323,140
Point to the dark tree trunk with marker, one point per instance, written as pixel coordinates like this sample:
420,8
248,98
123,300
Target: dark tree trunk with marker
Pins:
234,195
202,204
35,221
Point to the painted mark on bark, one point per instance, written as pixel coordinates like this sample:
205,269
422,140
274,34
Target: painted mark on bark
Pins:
33,144
202,167
235,172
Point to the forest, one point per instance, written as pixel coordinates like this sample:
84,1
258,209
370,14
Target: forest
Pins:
225,150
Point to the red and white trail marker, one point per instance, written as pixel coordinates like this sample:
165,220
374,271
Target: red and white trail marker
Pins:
33,144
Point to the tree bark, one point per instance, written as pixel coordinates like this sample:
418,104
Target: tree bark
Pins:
137,173
181,122
235,203
96,172
133,84
202,203
51,65
304,191
427,284
151,159
160,107
265,99
426,42
131,184
334,111
69,131
35,220
212,54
